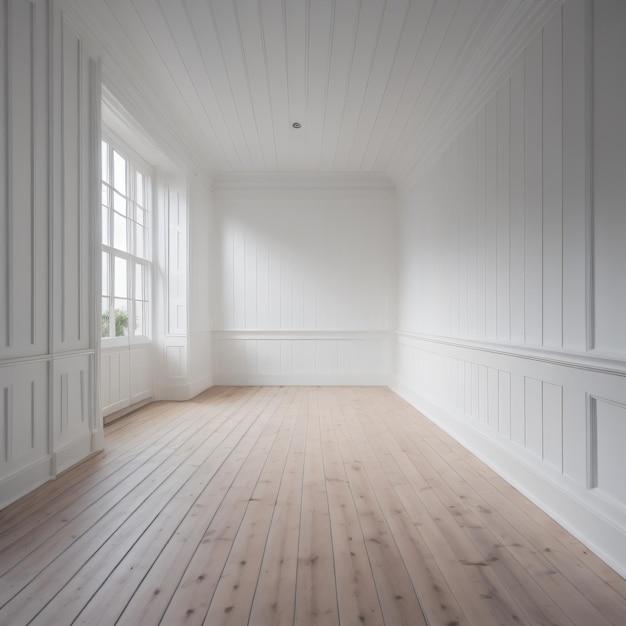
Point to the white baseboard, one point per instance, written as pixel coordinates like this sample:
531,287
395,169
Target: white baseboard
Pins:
25,480
595,522
76,451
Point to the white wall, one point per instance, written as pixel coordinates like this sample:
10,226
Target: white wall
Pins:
49,133
497,307
303,289
182,267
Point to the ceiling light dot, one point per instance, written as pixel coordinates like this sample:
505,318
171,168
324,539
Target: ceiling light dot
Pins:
297,125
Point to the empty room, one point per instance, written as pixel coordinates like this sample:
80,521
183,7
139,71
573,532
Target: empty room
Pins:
312,312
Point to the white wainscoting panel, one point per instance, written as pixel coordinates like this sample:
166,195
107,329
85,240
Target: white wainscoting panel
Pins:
511,286
49,130
552,401
72,381
23,179
302,358
24,437
607,448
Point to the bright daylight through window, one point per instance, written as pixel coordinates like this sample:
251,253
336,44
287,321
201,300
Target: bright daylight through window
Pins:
125,246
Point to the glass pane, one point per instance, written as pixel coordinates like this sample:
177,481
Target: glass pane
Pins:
121,317
140,241
105,226
106,313
105,195
105,162
119,173
140,320
120,279
119,203
140,216
139,282
119,232
140,190
106,279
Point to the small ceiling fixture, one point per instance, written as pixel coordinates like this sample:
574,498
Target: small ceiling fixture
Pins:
297,125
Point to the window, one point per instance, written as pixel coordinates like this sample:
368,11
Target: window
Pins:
126,266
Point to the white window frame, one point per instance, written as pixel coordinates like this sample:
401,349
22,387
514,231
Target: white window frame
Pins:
134,164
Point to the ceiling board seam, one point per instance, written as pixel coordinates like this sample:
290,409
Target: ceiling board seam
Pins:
209,4
267,74
454,79
208,74
417,53
345,99
494,76
369,75
284,7
158,50
247,75
380,102
419,95
182,60
331,41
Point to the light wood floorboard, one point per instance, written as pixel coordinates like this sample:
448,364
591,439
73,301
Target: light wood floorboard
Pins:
291,505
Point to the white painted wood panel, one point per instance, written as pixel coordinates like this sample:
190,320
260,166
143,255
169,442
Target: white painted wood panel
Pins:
293,357
23,180
49,129
610,434
576,173
533,214
503,229
566,421
609,182
310,259
552,177
24,437
554,413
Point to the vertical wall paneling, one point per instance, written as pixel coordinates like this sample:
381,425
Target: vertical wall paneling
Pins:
503,315
552,177
517,205
47,125
5,179
610,433
491,218
512,376
481,265
533,160
576,182
609,182
533,415
304,280
504,403
552,411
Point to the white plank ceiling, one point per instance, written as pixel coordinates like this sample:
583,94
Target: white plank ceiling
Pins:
377,85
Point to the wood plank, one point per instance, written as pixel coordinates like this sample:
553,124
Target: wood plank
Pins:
293,505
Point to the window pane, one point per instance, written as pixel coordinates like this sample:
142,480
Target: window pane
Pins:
119,172
140,318
119,234
106,239
105,162
140,216
106,280
119,203
120,280
140,241
139,282
105,195
106,313
140,191
121,317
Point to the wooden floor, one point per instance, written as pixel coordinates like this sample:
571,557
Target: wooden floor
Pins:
269,506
